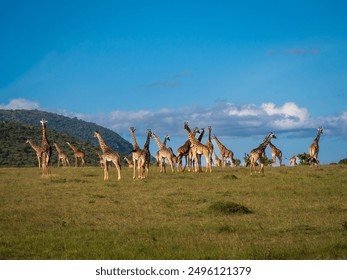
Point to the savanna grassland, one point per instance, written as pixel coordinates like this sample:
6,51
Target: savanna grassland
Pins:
290,213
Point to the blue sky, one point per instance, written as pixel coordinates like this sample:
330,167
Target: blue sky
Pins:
244,67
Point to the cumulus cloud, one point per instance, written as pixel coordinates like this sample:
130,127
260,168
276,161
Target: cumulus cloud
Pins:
20,103
227,119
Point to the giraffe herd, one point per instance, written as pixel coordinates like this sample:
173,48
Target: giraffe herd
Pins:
192,150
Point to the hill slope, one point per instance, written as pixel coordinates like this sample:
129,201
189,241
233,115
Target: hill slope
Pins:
72,126
15,152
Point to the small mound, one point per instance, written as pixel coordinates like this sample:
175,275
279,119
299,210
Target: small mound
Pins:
223,207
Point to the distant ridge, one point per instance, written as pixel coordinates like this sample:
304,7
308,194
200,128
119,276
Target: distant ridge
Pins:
79,129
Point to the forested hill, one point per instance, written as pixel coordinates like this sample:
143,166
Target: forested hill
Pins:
72,126
15,152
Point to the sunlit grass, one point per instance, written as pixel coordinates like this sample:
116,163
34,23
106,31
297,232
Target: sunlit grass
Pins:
294,213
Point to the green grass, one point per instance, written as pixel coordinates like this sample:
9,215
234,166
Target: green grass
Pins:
288,213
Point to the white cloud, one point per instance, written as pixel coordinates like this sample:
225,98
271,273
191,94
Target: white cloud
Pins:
20,103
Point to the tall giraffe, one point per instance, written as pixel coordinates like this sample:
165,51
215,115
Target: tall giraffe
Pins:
37,150
314,148
136,153
184,151
130,163
224,152
259,153
61,156
164,152
198,148
145,157
275,152
209,144
166,138
46,149
78,154
198,162
108,155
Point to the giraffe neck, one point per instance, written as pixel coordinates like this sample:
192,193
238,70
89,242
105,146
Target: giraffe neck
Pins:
57,148
209,134
133,138
317,138
266,142
75,150
159,143
146,146
272,146
44,135
36,148
103,145
220,145
201,135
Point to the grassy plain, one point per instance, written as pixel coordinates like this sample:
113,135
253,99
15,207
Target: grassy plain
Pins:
292,213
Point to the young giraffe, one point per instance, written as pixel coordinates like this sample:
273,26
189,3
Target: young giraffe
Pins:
101,160
130,164
46,149
37,150
61,156
108,155
314,148
184,151
198,148
136,153
292,160
275,152
145,157
259,153
217,160
224,151
164,152
78,154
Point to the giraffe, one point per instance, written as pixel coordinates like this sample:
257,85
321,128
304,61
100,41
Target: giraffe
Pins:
37,150
209,144
198,148
217,160
78,154
136,153
145,157
183,151
314,148
101,160
166,138
164,152
259,153
198,162
61,156
130,164
292,160
275,152
46,149
224,152
108,155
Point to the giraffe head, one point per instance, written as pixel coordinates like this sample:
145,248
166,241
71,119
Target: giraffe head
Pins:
213,136
320,130
167,137
28,141
186,126
149,132
43,122
272,135
132,129
96,133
